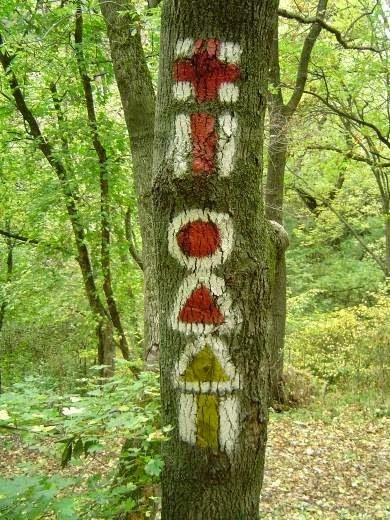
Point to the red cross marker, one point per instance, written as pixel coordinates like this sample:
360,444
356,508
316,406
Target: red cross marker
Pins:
205,71
204,142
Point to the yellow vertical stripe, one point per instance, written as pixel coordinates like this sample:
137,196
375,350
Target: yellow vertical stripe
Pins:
207,422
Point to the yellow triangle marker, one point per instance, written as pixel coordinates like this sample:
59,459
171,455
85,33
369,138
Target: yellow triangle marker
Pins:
205,367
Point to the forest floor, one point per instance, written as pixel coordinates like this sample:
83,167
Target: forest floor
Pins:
328,461
331,461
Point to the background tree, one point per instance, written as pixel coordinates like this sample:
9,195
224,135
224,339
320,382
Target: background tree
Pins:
136,89
280,131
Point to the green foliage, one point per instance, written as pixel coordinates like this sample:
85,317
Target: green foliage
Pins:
48,326
35,497
94,419
346,347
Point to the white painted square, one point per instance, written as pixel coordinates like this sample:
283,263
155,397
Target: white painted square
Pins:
183,90
228,422
230,52
228,93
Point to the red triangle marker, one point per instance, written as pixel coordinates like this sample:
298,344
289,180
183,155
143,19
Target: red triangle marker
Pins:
201,308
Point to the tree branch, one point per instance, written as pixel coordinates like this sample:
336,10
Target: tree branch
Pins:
348,154
304,60
46,148
18,237
357,120
105,210
377,260
318,20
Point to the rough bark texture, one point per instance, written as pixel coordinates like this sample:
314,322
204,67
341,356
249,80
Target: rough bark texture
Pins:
138,101
274,192
202,479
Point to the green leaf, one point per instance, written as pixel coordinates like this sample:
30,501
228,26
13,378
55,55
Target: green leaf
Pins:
154,467
66,454
78,448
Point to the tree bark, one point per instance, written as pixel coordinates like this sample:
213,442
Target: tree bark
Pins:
10,266
214,355
138,101
8,276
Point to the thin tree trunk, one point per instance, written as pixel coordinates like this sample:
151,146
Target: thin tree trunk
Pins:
105,209
8,276
98,310
138,101
10,266
274,193
386,215
214,255
280,115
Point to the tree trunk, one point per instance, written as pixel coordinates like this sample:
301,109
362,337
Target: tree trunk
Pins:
8,276
280,114
106,347
214,255
386,215
104,179
277,156
138,101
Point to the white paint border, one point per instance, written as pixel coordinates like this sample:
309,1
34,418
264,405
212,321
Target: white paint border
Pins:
183,90
221,352
216,286
182,145
228,422
187,417
228,93
226,150
226,232
184,48
230,52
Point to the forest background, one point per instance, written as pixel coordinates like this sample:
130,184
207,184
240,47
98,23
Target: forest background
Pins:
62,429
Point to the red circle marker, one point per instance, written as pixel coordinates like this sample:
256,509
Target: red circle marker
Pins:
199,238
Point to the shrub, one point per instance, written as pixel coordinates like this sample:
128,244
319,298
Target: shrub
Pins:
93,421
346,346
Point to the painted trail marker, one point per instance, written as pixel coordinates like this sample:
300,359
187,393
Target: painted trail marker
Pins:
200,239
203,305
208,409
205,71
204,144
